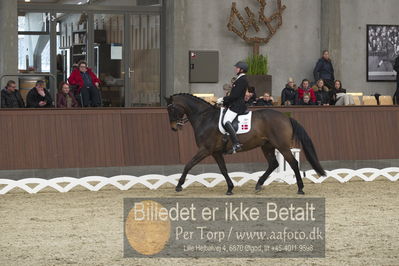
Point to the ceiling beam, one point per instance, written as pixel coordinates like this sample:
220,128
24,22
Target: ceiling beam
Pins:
73,8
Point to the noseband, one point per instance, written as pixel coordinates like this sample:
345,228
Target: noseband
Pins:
182,121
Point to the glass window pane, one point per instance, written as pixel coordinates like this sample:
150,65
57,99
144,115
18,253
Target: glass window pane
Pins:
130,3
105,2
34,53
71,42
33,22
108,58
145,61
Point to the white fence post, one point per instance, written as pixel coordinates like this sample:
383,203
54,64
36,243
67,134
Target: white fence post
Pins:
284,169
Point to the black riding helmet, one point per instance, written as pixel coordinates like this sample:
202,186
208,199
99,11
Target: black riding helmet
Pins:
242,65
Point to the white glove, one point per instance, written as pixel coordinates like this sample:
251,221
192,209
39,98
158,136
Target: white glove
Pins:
219,101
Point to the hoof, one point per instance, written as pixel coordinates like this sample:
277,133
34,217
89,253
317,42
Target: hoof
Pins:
258,189
229,193
179,188
300,192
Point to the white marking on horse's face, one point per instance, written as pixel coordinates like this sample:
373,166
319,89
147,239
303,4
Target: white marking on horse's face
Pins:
174,126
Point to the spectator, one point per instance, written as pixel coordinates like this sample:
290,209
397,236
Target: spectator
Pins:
396,68
226,89
65,98
305,88
11,97
289,95
266,100
340,96
250,96
227,86
39,97
377,98
396,97
323,94
324,70
306,100
87,85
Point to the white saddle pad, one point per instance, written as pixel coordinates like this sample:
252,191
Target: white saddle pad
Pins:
244,123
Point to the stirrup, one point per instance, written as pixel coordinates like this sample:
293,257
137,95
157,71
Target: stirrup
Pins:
236,147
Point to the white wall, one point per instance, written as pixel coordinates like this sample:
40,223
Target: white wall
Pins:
202,25
356,14
293,51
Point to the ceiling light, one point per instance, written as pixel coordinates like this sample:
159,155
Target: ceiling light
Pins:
27,0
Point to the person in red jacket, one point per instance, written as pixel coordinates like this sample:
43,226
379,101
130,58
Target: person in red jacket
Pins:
305,88
87,84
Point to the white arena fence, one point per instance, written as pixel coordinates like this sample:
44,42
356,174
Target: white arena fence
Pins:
153,181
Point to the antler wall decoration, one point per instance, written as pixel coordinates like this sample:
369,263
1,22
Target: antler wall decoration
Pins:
246,24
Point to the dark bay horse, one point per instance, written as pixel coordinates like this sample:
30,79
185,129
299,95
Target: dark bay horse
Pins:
270,130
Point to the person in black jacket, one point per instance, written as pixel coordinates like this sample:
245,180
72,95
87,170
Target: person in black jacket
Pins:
396,68
39,97
324,70
289,95
323,94
11,97
266,100
250,96
235,103
339,95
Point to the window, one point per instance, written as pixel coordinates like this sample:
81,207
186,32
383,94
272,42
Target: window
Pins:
33,42
33,22
34,53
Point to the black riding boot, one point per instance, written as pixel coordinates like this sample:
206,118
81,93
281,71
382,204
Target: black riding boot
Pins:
233,136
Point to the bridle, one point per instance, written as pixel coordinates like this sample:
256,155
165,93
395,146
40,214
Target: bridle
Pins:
179,121
182,122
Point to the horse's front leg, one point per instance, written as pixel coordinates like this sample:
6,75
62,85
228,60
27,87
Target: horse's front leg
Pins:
201,154
222,166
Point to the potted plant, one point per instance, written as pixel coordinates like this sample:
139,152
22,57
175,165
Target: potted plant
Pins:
257,74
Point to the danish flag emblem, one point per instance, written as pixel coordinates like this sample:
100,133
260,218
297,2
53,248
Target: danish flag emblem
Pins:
244,127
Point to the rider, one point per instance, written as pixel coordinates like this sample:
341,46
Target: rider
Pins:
235,103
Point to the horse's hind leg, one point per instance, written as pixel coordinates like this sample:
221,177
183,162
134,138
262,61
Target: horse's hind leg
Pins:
201,154
222,166
269,152
294,165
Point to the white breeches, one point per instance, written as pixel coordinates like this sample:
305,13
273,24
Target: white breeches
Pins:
229,116
344,99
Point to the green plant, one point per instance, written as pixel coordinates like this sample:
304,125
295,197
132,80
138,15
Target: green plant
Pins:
257,65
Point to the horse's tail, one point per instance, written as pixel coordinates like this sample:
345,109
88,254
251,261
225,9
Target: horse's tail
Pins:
301,136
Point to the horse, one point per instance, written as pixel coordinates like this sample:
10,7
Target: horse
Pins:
270,130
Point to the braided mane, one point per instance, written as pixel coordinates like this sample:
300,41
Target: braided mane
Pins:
196,98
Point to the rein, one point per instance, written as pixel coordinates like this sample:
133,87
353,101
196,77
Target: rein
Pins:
181,122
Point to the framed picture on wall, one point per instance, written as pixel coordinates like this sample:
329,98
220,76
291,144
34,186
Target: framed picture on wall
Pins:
382,50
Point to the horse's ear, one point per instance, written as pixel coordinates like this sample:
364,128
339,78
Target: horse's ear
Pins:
168,100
